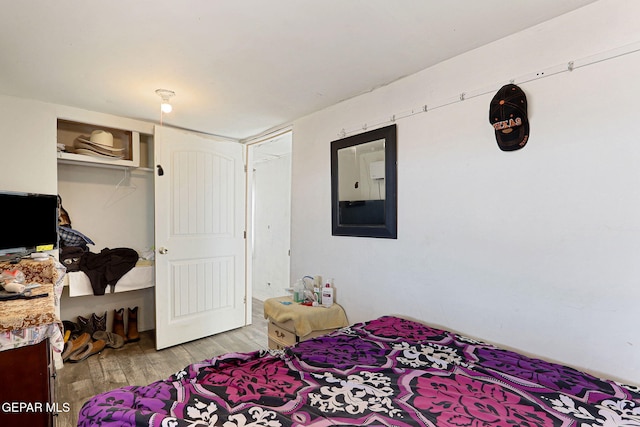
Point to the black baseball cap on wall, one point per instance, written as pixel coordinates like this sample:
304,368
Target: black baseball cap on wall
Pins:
508,115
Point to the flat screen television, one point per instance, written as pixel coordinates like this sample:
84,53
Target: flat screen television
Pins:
29,221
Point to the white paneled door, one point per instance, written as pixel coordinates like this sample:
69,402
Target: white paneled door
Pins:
199,236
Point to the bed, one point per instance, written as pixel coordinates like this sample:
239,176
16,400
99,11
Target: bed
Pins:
386,372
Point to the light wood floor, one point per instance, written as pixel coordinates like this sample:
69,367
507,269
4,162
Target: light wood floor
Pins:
140,364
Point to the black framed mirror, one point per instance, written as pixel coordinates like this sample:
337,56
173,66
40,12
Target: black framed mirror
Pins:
364,184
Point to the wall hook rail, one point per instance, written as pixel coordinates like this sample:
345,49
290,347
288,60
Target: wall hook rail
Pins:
547,72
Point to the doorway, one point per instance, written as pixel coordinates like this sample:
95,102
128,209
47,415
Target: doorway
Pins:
269,213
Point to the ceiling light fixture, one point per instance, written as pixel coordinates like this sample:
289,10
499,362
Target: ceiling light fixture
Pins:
165,95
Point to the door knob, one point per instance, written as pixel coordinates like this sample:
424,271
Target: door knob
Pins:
163,251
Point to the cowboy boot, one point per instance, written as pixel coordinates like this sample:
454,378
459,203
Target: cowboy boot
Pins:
99,322
118,323
132,325
86,325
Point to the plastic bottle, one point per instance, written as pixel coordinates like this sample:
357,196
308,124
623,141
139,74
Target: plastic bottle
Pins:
298,291
327,294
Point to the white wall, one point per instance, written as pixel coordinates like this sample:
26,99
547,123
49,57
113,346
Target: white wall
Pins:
112,207
27,135
537,249
271,225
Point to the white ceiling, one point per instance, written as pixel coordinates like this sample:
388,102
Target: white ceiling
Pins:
238,67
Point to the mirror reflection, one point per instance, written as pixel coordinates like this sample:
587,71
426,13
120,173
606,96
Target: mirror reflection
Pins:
361,191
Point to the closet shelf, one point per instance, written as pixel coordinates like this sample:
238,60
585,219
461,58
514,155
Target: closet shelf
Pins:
80,160
73,146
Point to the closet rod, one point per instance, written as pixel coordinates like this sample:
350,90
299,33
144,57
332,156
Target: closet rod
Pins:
103,165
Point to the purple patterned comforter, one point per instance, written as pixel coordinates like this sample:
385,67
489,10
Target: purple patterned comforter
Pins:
386,372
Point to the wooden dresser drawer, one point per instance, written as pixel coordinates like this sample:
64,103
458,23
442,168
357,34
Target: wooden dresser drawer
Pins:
281,335
315,321
26,378
277,345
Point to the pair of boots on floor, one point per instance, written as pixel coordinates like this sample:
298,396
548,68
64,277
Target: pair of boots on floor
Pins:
132,324
89,335
85,338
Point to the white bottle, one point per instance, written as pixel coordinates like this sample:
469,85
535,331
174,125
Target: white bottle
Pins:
327,295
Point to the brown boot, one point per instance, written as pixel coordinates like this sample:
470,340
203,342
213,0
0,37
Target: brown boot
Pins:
118,323
132,326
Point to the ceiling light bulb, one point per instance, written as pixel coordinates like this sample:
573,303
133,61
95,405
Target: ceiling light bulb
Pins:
166,107
165,95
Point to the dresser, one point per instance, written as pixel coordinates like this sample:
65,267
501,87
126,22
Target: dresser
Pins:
30,330
291,323
28,392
